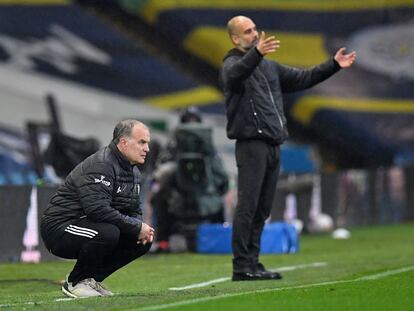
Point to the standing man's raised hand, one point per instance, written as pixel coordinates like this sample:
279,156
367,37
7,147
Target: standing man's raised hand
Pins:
345,60
267,45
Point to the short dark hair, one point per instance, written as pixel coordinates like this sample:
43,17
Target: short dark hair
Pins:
123,129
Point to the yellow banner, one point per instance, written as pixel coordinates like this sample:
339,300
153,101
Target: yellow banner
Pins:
308,106
193,97
153,8
297,49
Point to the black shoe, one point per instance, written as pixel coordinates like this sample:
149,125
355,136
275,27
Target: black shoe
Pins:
260,269
246,276
258,276
269,275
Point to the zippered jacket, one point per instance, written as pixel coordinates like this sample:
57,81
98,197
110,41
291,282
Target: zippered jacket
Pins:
253,88
105,187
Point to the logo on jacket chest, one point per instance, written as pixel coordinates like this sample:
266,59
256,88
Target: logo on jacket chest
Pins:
121,188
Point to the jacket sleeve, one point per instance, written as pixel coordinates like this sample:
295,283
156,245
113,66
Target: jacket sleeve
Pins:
95,194
237,69
295,79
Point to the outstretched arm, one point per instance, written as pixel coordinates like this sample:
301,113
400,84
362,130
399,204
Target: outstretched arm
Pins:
345,60
295,79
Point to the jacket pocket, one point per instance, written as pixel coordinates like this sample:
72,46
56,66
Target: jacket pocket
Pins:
255,117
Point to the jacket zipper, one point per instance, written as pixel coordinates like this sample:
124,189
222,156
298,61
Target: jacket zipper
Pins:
136,188
272,99
255,116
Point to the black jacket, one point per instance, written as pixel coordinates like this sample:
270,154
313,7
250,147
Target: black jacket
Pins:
104,187
253,88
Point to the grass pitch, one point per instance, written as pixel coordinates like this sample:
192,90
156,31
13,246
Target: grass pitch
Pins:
373,270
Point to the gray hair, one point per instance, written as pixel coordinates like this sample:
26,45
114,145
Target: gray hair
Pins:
230,29
124,129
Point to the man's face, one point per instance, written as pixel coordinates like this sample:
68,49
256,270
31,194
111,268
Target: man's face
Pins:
135,147
246,35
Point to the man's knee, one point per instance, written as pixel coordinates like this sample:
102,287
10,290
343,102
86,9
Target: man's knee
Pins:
142,249
147,247
109,235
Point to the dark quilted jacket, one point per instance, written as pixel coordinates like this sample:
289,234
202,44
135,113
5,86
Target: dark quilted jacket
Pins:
253,88
105,187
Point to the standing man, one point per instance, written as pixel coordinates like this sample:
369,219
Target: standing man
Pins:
253,88
96,218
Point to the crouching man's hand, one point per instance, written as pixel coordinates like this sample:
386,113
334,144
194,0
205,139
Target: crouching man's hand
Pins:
146,234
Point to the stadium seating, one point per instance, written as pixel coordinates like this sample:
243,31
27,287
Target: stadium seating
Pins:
15,167
363,112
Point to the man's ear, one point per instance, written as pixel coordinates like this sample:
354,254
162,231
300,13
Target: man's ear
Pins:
123,141
235,39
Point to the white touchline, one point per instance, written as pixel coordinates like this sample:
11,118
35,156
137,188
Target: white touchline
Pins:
8,305
64,299
203,299
384,274
193,301
225,279
196,285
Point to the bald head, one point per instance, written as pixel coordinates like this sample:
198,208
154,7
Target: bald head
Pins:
233,24
242,32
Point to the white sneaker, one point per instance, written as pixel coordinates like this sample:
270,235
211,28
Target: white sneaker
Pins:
98,286
83,289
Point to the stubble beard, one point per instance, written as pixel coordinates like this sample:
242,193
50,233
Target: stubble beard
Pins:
251,45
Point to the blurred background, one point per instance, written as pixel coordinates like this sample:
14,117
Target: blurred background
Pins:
70,70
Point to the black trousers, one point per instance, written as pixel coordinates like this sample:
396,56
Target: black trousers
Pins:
258,170
99,249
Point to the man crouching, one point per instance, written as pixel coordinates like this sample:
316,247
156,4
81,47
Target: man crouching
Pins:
95,216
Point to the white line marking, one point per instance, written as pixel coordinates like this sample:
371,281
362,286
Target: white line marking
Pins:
8,305
225,279
384,274
193,301
196,285
310,265
64,299
203,299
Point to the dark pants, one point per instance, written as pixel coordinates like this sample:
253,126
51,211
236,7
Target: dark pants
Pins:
99,248
258,170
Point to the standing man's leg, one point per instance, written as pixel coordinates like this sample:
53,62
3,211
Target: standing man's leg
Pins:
265,207
251,158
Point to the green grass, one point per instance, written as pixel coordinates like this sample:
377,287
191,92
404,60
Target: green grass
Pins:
339,285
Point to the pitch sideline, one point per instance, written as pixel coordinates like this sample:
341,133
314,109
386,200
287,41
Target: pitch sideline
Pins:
225,279
204,299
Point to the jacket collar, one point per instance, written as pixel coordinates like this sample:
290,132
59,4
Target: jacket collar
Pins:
234,52
123,161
